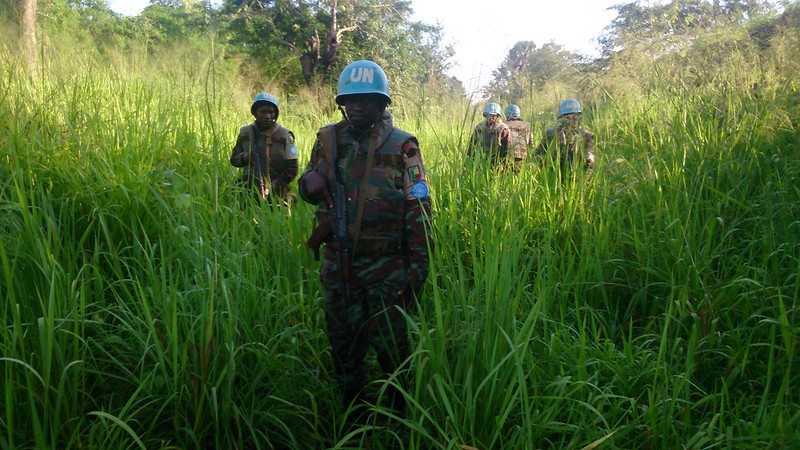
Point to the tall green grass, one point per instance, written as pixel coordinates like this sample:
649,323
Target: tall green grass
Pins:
652,304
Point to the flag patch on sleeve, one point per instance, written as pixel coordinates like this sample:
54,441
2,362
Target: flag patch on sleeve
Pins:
414,173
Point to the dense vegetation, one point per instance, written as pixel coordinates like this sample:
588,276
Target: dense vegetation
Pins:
653,304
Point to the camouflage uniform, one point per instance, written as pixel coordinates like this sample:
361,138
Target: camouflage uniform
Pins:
491,141
565,142
391,247
521,139
279,167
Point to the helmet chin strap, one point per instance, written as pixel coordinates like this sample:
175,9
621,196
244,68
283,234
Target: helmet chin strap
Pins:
344,115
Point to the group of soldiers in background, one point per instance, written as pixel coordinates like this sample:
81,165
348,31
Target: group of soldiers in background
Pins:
563,144
267,153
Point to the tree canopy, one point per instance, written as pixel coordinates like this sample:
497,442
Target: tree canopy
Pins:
305,43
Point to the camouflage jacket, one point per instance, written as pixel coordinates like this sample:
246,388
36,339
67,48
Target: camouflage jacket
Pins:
279,163
491,141
521,138
391,195
564,143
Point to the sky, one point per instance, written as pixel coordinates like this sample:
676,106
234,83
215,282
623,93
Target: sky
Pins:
483,31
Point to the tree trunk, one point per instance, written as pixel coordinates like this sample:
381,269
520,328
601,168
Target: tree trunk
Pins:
319,58
29,35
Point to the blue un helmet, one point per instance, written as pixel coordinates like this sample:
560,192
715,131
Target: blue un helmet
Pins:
492,109
513,112
569,106
264,97
362,77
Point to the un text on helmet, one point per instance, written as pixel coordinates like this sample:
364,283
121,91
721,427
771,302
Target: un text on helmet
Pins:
362,75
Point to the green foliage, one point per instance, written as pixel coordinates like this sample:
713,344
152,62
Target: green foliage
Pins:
650,303
663,28
90,24
304,43
527,69
165,25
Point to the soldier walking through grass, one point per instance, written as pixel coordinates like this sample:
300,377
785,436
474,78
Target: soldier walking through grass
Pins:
567,143
369,182
267,154
521,139
491,136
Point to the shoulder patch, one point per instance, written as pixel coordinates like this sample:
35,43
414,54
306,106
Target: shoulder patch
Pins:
414,173
419,190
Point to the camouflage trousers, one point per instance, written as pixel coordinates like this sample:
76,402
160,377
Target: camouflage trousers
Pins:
373,317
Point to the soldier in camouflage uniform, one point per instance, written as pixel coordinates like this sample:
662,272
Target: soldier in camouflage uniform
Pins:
387,211
521,137
567,141
267,153
491,136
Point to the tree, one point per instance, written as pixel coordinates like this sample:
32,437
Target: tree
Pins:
28,27
656,29
740,11
319,55
664,28
320,34
527,68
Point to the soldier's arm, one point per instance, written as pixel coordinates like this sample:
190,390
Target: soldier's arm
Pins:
473,141
290,171
307,184
529,138
588,136
505,140
240,155
418,233
541,150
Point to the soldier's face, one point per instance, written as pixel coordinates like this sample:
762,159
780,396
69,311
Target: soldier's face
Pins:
571,119
363,111
492,119
266,115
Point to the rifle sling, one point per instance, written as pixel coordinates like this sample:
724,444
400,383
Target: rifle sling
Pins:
329,142
362,188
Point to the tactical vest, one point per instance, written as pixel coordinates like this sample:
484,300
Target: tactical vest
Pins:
567,142
490,140
379,198
520,133
275,162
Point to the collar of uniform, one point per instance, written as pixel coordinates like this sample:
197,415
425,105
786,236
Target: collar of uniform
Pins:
381,129
266,129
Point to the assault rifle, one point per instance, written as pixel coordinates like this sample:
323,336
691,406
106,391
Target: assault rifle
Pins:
261,186
341,236
255,158
334,223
